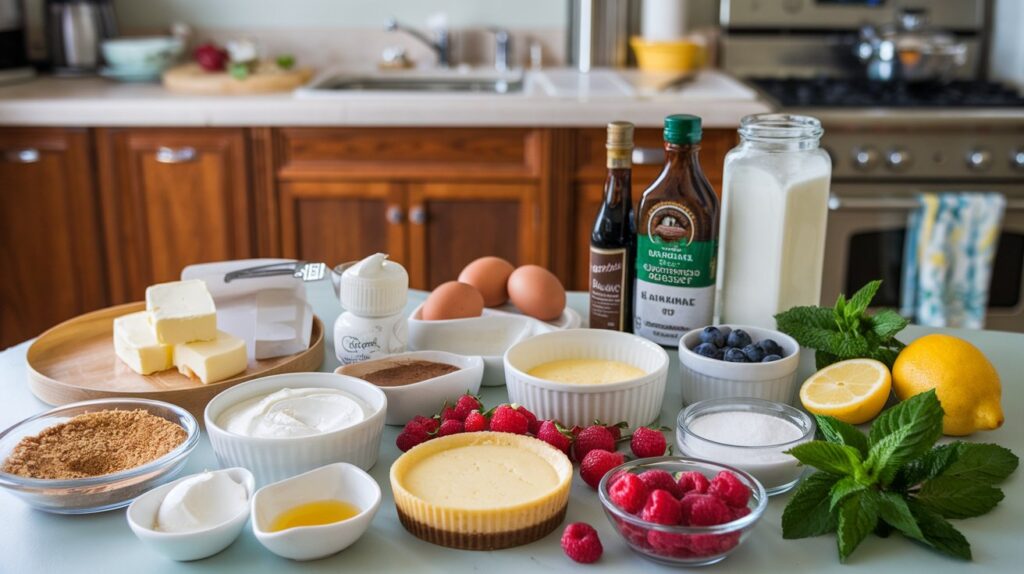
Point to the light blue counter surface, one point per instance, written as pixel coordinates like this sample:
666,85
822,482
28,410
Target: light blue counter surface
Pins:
33,541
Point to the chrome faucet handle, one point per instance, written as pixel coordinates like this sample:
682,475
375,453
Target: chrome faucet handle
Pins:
502,48
441,46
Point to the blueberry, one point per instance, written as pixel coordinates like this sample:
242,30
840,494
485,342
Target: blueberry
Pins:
724,331
706,350
713,336
754,353
735,355
770,358
738,338
770,347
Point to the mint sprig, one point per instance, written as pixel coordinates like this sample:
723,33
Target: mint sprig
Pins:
895,478
846,331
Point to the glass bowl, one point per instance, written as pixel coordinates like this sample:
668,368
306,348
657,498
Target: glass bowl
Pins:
777,471
682,545
96,493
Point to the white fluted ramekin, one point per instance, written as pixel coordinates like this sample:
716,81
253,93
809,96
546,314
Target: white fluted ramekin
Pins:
636,401
705,378
274,459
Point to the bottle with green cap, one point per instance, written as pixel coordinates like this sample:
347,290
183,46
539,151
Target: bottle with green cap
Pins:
677,241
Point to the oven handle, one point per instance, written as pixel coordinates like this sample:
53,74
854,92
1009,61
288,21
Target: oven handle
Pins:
836,203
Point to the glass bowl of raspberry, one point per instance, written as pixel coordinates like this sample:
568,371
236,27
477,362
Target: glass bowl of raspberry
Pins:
682,511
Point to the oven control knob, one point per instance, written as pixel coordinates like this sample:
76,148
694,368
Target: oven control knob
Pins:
865,158
1017,159
898,159
979,159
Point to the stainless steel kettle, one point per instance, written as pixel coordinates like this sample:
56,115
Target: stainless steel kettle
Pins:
75,29
910,51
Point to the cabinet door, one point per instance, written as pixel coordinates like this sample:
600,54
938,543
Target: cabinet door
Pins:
452,224
49,231
336,222
172,197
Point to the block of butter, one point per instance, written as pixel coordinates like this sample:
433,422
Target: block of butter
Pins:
135,343
182,312
211,361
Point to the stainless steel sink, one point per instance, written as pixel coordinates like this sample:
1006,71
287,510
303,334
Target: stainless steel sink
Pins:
415,81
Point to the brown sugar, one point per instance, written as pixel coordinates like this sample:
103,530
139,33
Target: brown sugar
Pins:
408,372
94,444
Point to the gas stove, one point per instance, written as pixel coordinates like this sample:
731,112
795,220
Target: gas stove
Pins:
857,93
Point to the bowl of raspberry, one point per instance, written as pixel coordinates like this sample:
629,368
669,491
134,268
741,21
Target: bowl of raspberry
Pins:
682,511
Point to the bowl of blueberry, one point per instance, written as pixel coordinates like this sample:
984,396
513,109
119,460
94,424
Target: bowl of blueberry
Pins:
738,361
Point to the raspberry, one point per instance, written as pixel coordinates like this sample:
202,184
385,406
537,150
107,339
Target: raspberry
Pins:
450,426
629,493
429,423
655,479
475,422
551,433
708,511
412,435
635,535
728,488
740,512
648,442
597,463
465,405
702,545
533,425
595,437
669,544
507,419
581,543
693,481
661,508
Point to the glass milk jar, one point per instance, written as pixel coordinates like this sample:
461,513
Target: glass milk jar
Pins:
774,210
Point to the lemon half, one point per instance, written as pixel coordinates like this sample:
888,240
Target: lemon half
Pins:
853,391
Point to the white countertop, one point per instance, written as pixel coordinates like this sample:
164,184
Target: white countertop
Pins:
552,98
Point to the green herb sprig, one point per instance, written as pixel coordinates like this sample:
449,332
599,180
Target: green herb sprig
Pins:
893,479
846,331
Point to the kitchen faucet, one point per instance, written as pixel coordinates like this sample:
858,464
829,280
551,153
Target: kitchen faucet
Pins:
502,46
441,47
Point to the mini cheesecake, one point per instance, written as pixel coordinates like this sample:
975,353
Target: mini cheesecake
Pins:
481,490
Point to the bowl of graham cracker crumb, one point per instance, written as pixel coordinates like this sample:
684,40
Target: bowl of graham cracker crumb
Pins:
97,455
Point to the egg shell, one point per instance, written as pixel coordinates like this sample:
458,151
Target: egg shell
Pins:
537,292
453,300
490,277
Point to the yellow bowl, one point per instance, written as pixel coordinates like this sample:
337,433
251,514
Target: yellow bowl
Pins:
674,56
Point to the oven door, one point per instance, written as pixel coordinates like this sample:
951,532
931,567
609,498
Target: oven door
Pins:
867,226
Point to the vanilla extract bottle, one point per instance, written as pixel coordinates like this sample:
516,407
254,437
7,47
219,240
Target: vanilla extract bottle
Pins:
613,239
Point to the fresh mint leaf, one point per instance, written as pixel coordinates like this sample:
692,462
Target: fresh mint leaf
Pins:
807,513
829,457
939,533
932,464
842,490
823,359
954,497
885,355
835,430
858,516
861,300
903,433
893,509
886,323
983,463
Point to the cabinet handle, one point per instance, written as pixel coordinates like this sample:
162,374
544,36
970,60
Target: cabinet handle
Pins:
24,155
648,156
176,155
418,215
394,215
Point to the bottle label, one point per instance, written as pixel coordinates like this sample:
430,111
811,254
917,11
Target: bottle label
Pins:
675,275
608,289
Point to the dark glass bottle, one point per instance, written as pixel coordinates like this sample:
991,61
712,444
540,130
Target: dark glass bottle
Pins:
677,241
612,241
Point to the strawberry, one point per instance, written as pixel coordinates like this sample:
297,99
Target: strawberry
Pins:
531,419
594,437
450,426
648,442
629,493
507,419
581,543
597,463
693,481
655,479
662,508
211,57
553,434
448,413
475,422
465,405
615,429
729,489
413,434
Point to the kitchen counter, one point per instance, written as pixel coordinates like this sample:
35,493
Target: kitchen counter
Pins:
551,98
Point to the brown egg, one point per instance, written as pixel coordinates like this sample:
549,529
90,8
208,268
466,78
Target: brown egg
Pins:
537,292
490,277
453,300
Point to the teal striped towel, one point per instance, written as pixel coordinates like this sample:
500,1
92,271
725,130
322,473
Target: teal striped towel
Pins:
947,261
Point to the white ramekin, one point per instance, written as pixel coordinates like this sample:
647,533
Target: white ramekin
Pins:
704,378
274,459
637,401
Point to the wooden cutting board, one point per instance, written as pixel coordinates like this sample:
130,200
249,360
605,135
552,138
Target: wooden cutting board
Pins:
75,361
191,79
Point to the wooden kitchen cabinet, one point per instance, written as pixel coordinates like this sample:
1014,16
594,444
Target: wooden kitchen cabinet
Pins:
171,198
49,231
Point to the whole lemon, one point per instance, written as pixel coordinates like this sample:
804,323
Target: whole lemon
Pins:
964,380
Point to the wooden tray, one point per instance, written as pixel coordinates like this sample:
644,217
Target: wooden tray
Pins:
75,361
191,79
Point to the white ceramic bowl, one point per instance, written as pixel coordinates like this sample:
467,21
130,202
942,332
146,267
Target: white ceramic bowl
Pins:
150,53
273,459
340,481
704,378
428,396
184,546
637,401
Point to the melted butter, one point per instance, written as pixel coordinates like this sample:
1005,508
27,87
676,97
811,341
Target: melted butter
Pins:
313,513
586,371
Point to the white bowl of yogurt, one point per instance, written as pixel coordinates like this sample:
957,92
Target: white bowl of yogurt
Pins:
750,434
283,425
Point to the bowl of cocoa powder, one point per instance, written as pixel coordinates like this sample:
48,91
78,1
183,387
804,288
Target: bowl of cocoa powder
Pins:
97,455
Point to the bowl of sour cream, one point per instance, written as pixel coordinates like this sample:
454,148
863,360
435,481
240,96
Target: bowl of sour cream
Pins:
284,425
